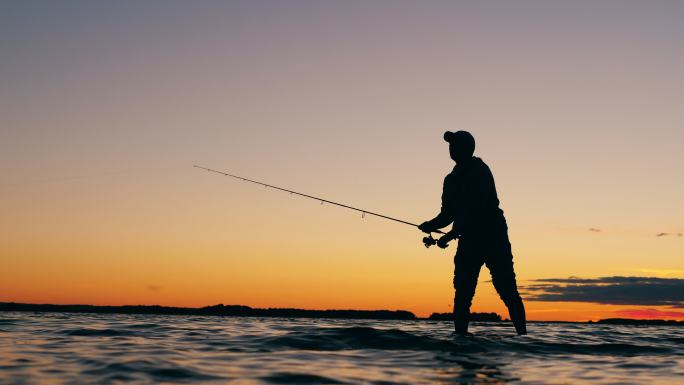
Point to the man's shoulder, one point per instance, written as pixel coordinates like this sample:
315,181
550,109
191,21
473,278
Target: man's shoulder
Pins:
479,162
478,165
473,168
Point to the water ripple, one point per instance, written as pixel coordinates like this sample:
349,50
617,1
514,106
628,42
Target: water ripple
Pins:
51,348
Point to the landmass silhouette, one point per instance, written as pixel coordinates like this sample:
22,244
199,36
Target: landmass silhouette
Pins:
247,311
214,310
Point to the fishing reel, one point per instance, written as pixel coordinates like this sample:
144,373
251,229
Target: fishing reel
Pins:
430,241
442,242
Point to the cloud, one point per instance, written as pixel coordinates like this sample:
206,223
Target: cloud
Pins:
649,313
643,291
668,234
594,230
153,287
662,272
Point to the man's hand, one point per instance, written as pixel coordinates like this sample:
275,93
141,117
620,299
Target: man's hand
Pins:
426,227
443,242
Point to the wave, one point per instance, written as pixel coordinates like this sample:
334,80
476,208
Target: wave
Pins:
356,338
299,378
145,326
364,337
87,332
618,349
157,370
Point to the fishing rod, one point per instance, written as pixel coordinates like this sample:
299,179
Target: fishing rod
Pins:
428,241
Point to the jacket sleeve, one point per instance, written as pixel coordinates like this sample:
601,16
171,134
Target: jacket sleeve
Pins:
446,215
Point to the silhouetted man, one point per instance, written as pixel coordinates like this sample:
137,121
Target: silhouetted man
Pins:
469,201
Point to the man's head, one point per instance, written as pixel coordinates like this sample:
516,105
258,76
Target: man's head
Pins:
461,145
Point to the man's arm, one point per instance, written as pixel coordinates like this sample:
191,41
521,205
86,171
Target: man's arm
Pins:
443,219
445,216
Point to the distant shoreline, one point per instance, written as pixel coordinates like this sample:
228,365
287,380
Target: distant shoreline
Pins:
247,311
216,310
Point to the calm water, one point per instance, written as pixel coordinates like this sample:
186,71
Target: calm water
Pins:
84,348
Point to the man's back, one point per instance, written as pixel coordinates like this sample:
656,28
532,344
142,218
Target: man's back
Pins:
469,197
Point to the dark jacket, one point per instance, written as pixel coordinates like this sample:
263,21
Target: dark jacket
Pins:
469,200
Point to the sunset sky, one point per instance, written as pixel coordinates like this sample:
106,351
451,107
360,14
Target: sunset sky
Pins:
577,107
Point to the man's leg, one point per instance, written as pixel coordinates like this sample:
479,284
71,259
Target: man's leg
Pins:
500,264
467,263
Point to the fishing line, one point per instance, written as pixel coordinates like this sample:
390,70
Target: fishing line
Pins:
322,200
